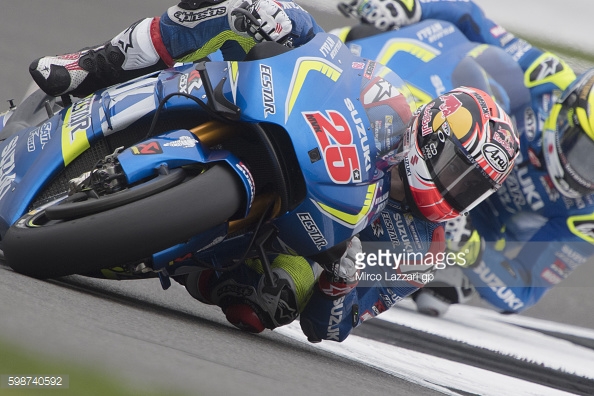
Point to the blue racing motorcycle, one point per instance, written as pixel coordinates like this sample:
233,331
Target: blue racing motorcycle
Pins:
434,57
200,164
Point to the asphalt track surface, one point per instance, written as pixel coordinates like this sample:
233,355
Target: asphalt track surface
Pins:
158,339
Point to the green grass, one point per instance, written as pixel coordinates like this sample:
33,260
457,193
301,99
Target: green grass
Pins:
83,381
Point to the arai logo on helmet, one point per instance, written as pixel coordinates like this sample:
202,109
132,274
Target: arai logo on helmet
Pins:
496,157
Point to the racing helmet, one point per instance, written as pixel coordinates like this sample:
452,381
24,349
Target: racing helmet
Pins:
568,139
458,150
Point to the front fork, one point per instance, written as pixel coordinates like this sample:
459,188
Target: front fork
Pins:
180,148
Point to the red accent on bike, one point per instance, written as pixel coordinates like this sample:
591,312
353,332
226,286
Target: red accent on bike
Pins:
245,318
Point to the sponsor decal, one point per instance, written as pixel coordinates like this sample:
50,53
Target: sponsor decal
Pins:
336,314
331,47
532,197
361,132
450,105
483,104
498,31
150,148
188,17
502,292
426,127
503,137
570,256
518,49
267,90
381,199
414,232
74,130
560,268
390,229
313,230
7,165
183,142
335,140
429,150
358,65
550,277
407,165
250,179
434,32
190,82
42,134
401,223
530,126
369,70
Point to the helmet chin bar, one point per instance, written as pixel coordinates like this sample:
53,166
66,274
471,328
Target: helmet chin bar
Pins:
409,200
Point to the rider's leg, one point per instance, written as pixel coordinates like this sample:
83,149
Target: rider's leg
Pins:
449,286
245,297
136,51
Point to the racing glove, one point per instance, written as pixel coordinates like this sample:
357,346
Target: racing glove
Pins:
333,310
340,278
383,14
269,21
464,241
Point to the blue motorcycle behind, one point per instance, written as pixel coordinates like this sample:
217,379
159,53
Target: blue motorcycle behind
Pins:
434,57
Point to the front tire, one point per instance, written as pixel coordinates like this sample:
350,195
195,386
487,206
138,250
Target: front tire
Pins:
124,234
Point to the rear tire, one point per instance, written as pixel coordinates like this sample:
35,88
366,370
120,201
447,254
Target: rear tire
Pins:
124,234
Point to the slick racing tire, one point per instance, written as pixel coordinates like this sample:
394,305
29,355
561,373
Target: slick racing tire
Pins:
43,248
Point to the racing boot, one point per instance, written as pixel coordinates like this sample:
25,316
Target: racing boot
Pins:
245,297
450,286
136,51
200,284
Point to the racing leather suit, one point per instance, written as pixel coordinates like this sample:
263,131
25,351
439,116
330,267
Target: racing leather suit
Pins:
187,35
535,236
380,287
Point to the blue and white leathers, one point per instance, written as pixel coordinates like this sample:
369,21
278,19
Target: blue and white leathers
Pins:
552,232
380,287
189,35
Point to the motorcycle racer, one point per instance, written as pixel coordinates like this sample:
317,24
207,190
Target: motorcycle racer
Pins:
455,126
426,189
537,229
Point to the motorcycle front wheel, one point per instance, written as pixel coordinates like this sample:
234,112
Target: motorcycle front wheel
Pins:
43,248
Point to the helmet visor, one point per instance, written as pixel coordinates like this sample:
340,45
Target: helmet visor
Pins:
576,150
458,177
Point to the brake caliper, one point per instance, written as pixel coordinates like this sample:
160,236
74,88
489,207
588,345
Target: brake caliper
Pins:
106,178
